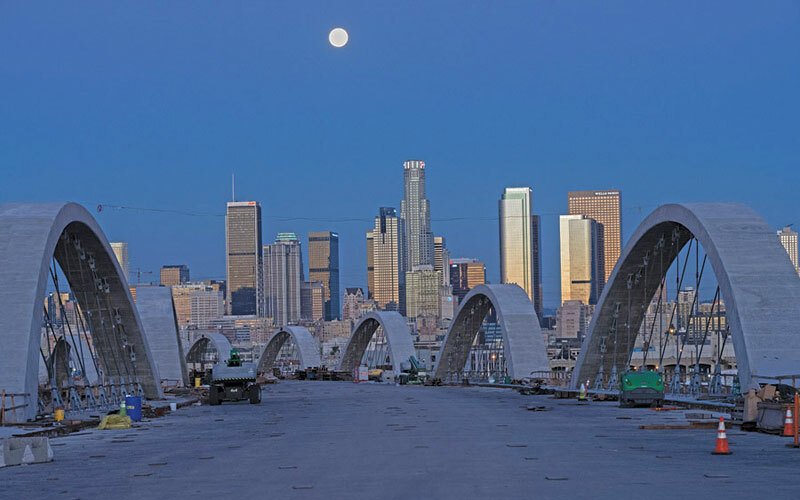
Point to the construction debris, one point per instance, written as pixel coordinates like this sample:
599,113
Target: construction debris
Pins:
115,422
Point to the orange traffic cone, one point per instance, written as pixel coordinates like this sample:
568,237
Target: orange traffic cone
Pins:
722,440
788,423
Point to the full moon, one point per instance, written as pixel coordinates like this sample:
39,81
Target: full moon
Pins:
338,37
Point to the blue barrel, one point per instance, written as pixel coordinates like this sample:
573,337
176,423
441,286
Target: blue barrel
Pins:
134,406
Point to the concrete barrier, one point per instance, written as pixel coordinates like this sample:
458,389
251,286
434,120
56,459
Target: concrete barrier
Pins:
26,450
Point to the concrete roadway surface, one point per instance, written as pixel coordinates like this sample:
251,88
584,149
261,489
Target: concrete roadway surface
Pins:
339,440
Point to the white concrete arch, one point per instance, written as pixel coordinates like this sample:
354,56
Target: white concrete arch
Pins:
307,348
31,236
218,341
523,346
398,337
157,311
757,282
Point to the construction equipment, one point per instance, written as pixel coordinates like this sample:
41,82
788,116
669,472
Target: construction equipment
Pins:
412,372
233,381
640,388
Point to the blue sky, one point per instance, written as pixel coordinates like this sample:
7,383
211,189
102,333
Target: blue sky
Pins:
153,105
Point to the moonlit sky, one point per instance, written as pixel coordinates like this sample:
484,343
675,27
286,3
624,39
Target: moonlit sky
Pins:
154,105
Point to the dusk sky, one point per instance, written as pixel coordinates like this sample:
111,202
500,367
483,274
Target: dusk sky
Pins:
155,105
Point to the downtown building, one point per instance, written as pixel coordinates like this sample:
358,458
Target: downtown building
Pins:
171,275
385,273
582,263
466,274
604,208
520,239
312,301
788,238
283,280
356,304
441,258
323,266
120,249
244,263
415,218
197,304
424,299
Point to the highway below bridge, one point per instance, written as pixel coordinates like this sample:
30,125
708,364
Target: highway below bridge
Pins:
343,440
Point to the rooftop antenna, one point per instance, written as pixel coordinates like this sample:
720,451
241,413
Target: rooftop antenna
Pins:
233,186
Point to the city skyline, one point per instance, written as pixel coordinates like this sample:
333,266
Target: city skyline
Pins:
550,303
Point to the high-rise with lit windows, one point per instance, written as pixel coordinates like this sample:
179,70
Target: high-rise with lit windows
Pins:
388,277
788,238
243,258
520,259
323,266
582,273
603,207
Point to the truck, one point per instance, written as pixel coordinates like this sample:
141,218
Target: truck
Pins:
233,380
412,372
641,388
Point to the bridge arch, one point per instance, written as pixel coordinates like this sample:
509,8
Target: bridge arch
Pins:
398,337
33,236
199,347
307,348
523,345
757,282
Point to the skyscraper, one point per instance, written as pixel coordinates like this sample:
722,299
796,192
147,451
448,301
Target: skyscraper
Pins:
312,301
536,259
520,260
283,279
415,218
370,265
387,280
788,237
582,273
323,266
603,207
120,249
441,258
174,275
243,258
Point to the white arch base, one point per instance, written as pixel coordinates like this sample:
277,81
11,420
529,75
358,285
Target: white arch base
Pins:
398,337
307,348
523,345
161,327
757,282
220,343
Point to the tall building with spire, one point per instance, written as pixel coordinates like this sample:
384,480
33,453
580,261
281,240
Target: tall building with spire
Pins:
603,207
415,218
244,285
520,234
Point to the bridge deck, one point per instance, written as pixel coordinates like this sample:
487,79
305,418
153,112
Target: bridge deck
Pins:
342,440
